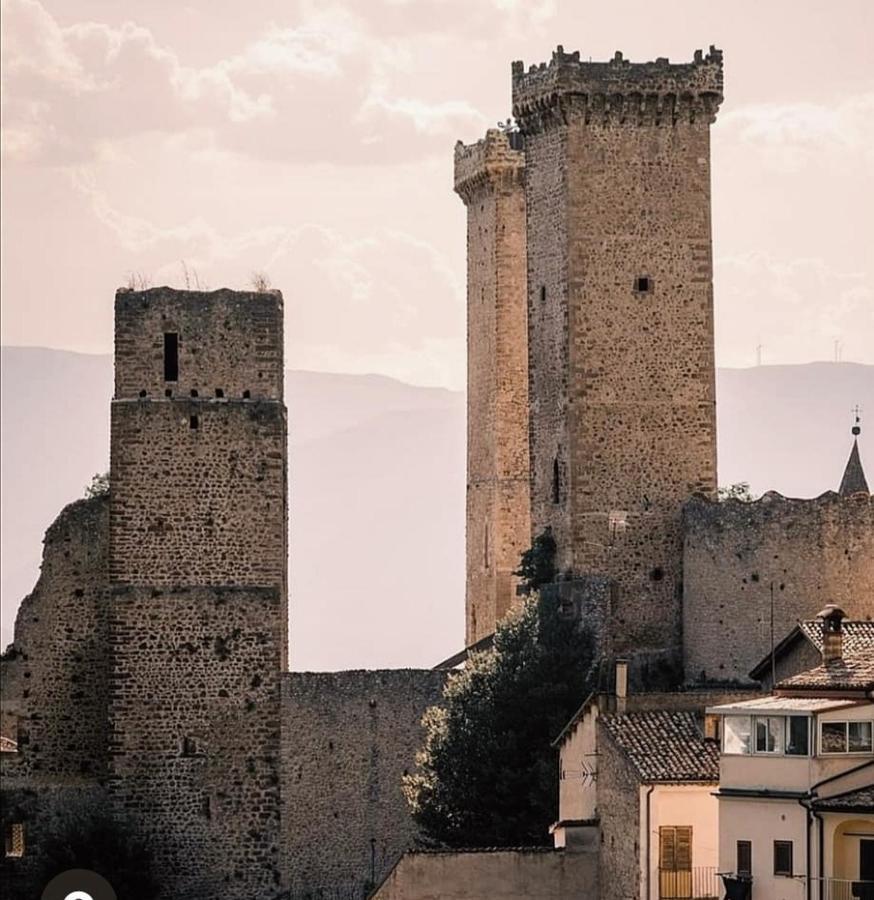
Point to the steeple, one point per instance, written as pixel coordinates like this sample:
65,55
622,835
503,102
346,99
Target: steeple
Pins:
854,481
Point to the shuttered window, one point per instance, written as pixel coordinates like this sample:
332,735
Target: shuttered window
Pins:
675,862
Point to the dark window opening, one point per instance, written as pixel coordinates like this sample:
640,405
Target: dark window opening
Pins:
744,858
657,574
783,858
194,422
168,392
247,395
190,746
193,392
219,392
142,393
171,356
543,293
556,482
643,284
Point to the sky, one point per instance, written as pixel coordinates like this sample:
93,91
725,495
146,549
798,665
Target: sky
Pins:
166,142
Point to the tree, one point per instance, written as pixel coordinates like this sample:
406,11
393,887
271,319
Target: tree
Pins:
488,775
84,838
537,565
99,485
740,490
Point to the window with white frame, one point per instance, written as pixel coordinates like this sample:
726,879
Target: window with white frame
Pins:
846,737
766,735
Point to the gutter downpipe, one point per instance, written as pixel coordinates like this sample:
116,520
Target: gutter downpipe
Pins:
648,843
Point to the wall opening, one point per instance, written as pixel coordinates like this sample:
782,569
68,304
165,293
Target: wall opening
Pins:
247,395
168,392
486,547
171,356
194,422
643,284
556,481
219,393
142,394
15,840
194,392
543,293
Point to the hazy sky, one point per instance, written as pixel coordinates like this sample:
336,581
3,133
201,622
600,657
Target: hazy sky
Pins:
313,141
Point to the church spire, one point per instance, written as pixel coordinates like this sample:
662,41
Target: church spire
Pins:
854,481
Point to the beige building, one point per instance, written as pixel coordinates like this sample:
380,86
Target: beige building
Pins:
796,788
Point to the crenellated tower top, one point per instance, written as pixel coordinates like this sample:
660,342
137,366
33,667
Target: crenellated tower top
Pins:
497,158
651,93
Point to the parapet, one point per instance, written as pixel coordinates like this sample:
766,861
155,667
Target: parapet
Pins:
204,344
496,158
618,91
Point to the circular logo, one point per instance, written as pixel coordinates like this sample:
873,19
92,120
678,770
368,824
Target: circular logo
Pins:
79,884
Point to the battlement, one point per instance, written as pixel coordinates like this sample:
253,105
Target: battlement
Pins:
495,158
618,91
219,344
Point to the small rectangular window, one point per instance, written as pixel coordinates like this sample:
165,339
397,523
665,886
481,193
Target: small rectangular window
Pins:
643,284
744,858
859,737
543,293
797,736
194,422
783,858
15,840
769,734
736,735
171,356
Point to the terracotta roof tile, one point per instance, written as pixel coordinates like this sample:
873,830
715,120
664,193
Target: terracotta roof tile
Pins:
862,799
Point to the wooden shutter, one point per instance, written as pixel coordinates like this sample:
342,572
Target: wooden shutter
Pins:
675,862
684,847
667,847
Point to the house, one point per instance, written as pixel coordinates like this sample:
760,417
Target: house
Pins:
796,784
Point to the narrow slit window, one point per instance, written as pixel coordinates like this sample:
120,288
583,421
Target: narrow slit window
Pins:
556,482
194,422
15,840
543,293
171,356
643,284
744,858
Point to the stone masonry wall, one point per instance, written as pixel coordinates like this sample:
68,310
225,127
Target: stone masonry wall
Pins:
195,752
202,505
228,340
349,737
488,177
812,552
623,426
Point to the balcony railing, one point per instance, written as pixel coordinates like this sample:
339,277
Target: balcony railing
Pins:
842,889
690,884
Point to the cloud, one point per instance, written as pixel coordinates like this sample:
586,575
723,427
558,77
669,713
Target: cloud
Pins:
790,137
795,308
325,88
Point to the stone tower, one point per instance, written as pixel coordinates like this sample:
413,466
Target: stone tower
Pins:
489,179
620,308
197,570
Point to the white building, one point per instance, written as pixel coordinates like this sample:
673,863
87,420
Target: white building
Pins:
796,786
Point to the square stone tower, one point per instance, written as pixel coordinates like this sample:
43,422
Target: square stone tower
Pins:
620,309
197,568
489,179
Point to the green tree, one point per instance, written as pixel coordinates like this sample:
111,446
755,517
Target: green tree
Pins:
740,490
537,565
488,775
99,485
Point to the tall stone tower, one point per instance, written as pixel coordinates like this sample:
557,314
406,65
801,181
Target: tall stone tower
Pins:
620,307
197,568
489,179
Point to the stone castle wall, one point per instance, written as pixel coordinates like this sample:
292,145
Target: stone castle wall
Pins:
195,744
812,552
349,737
488,177
623,425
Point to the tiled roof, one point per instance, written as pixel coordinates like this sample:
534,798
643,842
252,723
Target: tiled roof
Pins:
858,636
665,746
854,674
862,799
774,703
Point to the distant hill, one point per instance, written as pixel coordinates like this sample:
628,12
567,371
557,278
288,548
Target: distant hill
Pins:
377,486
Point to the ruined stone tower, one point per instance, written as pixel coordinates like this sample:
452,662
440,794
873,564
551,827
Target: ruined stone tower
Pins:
197,570
620,308
489,179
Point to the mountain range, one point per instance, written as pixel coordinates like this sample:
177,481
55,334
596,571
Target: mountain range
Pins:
377,486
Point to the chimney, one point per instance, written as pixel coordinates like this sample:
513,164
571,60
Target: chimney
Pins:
621,685
832,634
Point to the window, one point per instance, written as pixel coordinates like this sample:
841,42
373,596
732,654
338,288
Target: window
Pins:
486,547
736,735
797,736
15,840
846,737
194,422
783,858
675,862
744,858
543,293
643,284
171,356
556,482
769,734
